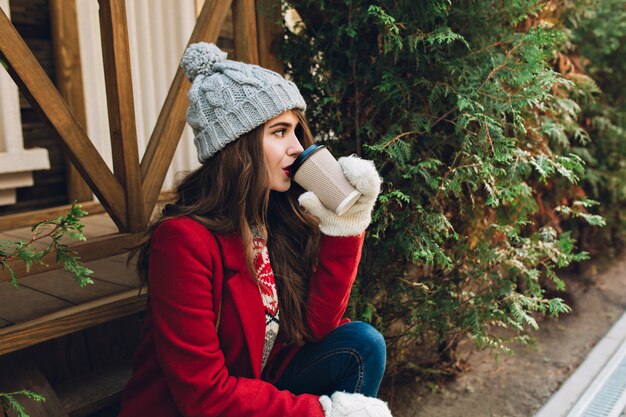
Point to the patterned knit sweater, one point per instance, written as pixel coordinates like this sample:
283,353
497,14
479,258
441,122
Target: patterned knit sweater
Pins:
267,287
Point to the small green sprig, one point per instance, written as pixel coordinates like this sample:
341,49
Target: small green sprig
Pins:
579,208
10,403
63,226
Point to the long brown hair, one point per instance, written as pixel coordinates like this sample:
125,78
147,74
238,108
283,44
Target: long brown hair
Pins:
228,194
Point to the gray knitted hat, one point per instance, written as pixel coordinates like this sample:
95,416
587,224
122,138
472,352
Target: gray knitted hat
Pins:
229,98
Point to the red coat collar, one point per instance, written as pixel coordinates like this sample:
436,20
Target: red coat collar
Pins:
232,251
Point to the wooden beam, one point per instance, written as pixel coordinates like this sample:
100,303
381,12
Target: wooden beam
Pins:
70,320
171,121
270,30
30,218
69,81
46,100
98,248
245,31
119,86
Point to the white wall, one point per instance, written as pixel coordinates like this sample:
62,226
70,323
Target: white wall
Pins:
16,163
158,33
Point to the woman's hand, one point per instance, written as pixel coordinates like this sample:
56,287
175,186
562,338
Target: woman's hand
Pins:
362,174
343,404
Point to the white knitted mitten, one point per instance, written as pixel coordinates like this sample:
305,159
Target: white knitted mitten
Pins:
342,404
362,174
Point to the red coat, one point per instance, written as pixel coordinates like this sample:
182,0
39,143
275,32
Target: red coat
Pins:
182,367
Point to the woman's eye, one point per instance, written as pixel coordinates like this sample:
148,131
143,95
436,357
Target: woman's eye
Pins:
280,133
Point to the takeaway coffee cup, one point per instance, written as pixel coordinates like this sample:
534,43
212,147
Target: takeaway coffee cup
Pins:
317,170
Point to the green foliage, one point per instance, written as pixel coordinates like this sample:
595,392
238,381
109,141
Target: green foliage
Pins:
10,403
54,230
596,50
473,128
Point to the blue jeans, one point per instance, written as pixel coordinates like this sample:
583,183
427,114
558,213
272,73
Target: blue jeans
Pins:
351,359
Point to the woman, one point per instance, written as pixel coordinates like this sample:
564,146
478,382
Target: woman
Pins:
248,276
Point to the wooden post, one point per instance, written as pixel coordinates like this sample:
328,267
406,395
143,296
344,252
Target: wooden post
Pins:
270,29
171,121
69,80
120,103
245,31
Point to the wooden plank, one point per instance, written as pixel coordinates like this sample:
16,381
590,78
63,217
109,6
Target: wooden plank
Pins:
84,395
14,221
61,285
79,353
245,31
24,234
114,340
171,121
98,225
270,31
97,248
69,80
70,320
41,93
120,103
114,270
22,304
93,227
18,374
62,358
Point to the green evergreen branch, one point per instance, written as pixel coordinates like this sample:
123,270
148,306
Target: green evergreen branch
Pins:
507,58
55,230
10,403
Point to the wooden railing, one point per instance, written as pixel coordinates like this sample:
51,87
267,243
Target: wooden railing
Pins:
129,192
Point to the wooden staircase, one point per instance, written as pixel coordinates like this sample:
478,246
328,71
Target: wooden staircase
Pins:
73,345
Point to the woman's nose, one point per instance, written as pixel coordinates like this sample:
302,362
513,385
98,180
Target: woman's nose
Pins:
295,147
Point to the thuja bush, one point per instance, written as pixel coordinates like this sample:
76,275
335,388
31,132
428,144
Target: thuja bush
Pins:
595,55
457,103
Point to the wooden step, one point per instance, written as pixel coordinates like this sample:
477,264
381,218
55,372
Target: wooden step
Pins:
70,319
87,394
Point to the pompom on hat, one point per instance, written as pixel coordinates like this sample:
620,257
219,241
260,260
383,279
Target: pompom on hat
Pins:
229,98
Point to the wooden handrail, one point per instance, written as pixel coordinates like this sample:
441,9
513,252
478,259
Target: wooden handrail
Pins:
45,99
69,80
171,121
116,55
